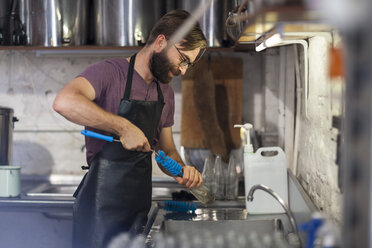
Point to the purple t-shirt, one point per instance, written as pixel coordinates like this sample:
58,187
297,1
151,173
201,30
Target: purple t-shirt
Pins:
108,79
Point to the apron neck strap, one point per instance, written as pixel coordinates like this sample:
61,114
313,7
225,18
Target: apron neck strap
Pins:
128,86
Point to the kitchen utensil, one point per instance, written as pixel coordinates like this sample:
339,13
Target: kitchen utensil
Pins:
4,22
124,22
212,21
10,182
55,22
6,135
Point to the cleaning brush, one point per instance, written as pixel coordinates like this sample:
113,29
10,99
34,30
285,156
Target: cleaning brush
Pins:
178,206
202,193
168,163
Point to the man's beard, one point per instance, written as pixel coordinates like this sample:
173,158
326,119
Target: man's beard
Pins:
160,66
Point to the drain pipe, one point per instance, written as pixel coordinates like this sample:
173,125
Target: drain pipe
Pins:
329,37
305,47
299,90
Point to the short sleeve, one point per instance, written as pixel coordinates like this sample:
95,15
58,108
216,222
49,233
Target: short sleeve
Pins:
100,75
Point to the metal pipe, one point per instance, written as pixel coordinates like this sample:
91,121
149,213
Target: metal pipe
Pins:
278,198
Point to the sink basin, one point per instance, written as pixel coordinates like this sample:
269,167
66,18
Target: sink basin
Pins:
160,191
53,190
213,226
221,227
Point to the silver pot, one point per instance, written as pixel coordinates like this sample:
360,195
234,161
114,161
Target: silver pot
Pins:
55,22
4,22
124,22
213,20
6,135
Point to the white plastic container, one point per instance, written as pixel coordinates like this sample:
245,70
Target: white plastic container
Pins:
270,171
10,181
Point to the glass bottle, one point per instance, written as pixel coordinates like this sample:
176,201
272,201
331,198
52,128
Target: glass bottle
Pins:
203,195
208,173
231,180
219,179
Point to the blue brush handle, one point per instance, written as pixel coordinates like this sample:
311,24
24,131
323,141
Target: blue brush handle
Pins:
168,163
97,135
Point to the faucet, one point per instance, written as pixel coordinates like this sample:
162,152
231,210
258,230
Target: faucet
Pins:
278,198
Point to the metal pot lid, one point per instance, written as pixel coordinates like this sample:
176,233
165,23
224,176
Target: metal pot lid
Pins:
5,110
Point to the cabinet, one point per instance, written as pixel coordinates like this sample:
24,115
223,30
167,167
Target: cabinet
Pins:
35,229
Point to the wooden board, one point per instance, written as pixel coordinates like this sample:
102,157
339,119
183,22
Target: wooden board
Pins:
212,104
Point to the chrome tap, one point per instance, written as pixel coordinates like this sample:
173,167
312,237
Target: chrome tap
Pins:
278,198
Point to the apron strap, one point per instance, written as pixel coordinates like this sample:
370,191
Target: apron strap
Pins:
160,94
128,86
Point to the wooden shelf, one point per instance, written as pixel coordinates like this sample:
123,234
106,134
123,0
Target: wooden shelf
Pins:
96,48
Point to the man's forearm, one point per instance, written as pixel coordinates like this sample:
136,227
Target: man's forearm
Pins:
82,111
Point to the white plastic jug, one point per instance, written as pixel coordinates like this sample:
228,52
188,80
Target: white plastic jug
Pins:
270,170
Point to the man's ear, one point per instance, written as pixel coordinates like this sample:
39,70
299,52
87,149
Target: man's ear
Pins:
160,43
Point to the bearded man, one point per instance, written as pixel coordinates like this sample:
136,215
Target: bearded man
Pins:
130,99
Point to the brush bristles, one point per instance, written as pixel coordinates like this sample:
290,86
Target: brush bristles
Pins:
177,206
168,163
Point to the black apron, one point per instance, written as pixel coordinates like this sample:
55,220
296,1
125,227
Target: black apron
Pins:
115,195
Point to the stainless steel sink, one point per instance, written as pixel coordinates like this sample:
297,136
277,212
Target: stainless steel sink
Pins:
160,190
53,190
211,224
221,227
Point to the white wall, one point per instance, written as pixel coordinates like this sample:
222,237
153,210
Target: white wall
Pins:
317,170
43,141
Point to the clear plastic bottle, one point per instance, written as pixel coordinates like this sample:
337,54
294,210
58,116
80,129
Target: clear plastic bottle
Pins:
220,179
231,180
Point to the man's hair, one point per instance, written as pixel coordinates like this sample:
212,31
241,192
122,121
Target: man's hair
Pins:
168,25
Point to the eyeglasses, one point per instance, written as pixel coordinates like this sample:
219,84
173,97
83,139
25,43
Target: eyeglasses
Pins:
186,62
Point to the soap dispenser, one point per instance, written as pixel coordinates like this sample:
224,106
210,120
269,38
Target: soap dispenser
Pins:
248,148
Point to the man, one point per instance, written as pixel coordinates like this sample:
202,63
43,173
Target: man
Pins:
130,99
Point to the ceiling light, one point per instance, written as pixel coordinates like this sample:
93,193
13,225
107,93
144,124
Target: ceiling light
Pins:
270,39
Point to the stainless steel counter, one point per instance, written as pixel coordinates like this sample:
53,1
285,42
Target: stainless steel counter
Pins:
55,193
52,199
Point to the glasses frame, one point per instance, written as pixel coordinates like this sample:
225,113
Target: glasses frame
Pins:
186,62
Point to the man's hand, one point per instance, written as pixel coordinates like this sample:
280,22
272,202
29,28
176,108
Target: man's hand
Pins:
191,177
132,138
